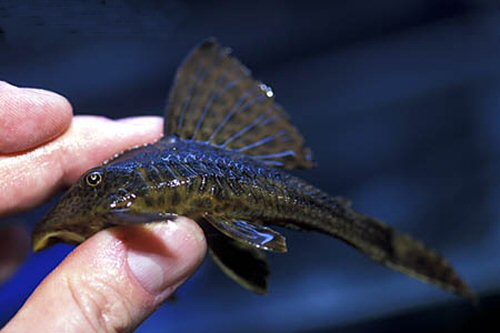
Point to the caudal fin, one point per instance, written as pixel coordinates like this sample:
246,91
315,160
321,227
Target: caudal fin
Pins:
397,251
415,259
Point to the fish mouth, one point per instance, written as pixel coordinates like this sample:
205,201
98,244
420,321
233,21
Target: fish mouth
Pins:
60,228
46,240
53,229
57,227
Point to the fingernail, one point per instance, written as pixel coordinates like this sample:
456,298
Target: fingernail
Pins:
41,92
155,262
149,269
139,121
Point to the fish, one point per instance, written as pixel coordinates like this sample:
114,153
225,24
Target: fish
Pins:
223,162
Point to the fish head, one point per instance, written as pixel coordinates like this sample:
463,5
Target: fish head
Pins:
88,206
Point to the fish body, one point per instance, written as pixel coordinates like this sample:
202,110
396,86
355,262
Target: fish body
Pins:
222,163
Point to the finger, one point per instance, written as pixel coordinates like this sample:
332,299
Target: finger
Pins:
115,280
30,117
14,246
28,179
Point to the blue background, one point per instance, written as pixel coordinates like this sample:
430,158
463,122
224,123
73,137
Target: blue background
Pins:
399,100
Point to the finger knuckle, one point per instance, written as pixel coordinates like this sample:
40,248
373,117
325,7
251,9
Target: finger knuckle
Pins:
101,306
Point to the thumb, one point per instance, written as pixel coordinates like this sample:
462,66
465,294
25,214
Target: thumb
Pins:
114,280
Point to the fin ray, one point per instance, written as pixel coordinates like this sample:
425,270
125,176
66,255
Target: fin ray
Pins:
245,265
393,249
215,100
258,236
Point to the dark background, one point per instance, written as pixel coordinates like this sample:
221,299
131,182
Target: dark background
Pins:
400,101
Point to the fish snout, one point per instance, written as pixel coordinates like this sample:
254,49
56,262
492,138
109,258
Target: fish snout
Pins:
53,229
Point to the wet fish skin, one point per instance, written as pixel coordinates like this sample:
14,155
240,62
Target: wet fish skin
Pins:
179,177
173,176
221,163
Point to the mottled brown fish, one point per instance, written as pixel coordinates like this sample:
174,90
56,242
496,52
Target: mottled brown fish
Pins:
221,163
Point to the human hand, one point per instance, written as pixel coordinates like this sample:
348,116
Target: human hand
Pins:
118,277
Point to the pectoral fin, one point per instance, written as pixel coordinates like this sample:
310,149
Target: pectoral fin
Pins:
258,236
126,217
245,265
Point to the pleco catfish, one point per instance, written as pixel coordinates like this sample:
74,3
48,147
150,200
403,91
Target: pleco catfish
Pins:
221,163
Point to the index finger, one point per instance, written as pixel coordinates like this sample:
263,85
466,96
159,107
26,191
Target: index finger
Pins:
29,178
30,117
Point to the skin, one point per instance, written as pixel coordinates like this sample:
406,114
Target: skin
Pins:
117,278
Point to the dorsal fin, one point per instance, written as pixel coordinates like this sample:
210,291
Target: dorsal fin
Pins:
215,100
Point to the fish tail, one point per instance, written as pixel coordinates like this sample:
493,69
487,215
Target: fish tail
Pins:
396,250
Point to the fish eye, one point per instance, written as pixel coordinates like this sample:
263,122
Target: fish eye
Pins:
94,178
